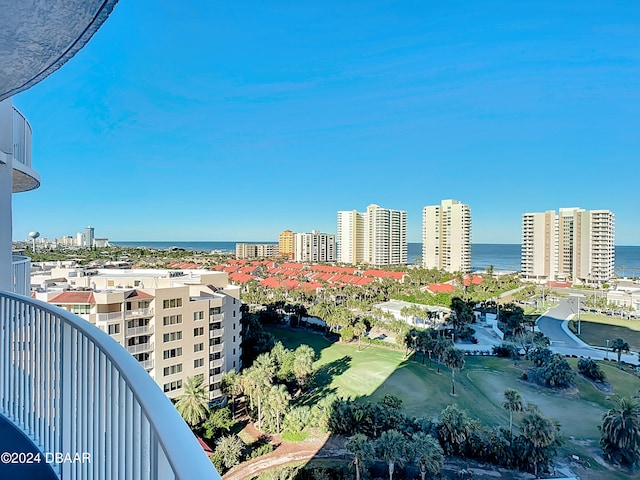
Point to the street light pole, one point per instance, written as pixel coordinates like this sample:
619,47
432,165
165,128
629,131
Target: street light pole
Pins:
578,316
607,354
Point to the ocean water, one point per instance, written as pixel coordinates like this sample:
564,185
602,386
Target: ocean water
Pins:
501,256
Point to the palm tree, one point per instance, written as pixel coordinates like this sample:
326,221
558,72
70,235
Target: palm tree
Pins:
621,432
513,403
230,450
391,448
440,348
427,454
303,358
231,386
619,346
276,402
454,429
540,433
454,359
362,450
359,329
193,403
260,376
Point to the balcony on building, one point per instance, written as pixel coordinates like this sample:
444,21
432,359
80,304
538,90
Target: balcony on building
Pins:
67,386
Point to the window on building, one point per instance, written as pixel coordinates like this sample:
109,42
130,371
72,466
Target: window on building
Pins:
172,303
198,362
172,319
197,316
113,329
82,309
169,387
198,332
172,353
172,369
198,347
172,336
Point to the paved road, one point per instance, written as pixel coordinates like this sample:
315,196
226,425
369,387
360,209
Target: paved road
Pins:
554,325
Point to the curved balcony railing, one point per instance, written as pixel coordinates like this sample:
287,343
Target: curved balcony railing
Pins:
21,275
73,389
21,138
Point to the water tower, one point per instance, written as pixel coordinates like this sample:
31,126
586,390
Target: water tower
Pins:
33,236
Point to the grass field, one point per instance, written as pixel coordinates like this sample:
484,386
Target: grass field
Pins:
595,329
374,372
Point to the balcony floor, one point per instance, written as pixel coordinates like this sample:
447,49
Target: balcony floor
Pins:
13,440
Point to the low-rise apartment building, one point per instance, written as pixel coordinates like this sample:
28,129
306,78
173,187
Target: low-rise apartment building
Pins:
177,324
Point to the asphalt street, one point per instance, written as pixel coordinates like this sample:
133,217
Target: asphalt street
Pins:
554,324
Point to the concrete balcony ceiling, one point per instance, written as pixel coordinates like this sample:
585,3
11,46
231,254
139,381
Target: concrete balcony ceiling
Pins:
38,36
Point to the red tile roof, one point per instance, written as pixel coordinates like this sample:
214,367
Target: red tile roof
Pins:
383,274
137,294
73,298
441,288
292,266
310,286
205,447
241,277
473,279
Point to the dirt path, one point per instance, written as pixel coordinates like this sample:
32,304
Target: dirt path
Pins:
287,452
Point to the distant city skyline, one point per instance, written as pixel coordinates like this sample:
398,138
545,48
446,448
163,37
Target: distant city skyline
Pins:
233,122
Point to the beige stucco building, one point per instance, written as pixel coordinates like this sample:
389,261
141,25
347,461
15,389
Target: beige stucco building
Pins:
575,245
177,324
446,236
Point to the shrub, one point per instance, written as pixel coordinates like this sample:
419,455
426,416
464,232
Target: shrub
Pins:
556,372
505,350
591,369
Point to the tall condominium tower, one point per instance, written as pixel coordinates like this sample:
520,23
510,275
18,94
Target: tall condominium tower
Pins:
575,245
286,243
89,236
350,237
377,236
385,236
446,236
315,247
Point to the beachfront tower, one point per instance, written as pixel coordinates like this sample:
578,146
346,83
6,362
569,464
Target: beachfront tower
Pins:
446,236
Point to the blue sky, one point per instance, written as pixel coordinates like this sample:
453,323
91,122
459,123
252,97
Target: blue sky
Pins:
236,120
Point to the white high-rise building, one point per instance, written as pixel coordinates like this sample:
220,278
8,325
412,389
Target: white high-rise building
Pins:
446,236
574,245
314,247
377,236
385,236
350,237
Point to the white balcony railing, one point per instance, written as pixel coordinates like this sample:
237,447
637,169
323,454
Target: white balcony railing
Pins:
140,348
21,275
105,317
72,388
139,312
147,364
145,330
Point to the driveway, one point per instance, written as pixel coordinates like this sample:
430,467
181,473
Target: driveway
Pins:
554,324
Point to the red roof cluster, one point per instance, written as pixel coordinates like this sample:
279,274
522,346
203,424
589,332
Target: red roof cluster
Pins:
292,275
384,274
183,265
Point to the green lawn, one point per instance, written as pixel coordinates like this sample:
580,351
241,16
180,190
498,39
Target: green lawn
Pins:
375,372
595,329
